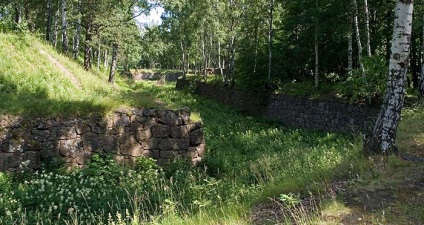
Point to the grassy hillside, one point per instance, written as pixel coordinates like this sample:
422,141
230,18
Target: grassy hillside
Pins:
254,172
36,80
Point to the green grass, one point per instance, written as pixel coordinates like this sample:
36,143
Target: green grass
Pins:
248,159
31,85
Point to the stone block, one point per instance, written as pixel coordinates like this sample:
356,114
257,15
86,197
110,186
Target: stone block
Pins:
156,154
91,142
178,132
167,154
149,112
161,131
196,137
147,154
150,144
170,118
192,152
41,135
184,114
110,143
201,149
181,144
194,126
34,159
165,144
82,158
142,134
69,148
149,122
12,160
66,133
82,128
15,145
121,120
2,161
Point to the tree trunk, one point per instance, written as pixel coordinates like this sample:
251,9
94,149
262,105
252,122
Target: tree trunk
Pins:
219,60
316,50
421,80
358,35
349,54
105,63
18,13
56,27
87,48
256,48
64,27
113,63
49,20
183,58
271,11
367,27
382,139
78,32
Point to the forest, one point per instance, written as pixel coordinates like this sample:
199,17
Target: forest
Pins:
76,59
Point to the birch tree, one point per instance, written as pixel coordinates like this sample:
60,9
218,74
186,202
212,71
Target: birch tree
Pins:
367,27
358,35
64,27
383,137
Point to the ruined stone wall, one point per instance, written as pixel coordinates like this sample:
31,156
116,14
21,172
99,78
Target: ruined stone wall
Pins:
329,116
169,76
128,134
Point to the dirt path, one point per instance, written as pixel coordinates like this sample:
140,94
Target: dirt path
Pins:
62,68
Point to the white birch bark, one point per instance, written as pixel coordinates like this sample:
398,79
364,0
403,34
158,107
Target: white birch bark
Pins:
358,35
55,27
367,27
384,134
78,32
113,63
64,27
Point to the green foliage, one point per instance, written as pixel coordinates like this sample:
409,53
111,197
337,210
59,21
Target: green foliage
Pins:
370,85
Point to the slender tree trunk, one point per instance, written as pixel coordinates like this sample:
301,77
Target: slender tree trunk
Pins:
316,50
421,80
88,48
49,20
64,27
219,60
204,59
183,58
78,32
349,54
18,13
98,55
256,47
270,37
367,27
56,27
383,137
105,63
358,35
113,63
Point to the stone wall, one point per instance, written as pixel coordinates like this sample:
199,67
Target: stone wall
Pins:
291,111
128,134
156,76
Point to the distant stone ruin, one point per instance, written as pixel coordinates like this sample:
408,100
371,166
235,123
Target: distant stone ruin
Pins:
127,134
167,76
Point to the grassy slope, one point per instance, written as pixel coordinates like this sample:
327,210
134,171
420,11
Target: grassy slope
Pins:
31,84
250,158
